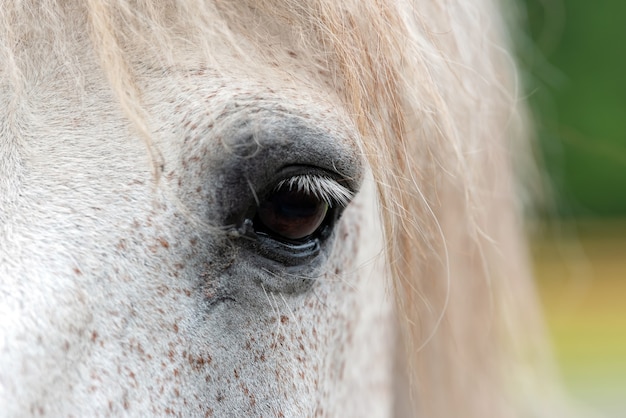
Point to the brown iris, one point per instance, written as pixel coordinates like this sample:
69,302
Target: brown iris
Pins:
292,214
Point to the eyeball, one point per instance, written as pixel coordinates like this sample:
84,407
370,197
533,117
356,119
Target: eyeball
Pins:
289,214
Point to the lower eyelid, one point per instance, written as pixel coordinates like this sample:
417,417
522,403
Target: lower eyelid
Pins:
290,254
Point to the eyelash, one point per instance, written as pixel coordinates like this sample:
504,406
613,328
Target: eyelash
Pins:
331,192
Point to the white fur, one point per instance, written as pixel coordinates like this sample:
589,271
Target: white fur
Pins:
102,313
133,135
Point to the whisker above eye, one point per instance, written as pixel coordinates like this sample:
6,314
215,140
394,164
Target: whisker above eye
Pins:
324,188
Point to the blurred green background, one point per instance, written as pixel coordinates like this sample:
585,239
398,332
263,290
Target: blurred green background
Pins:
576,56
573,59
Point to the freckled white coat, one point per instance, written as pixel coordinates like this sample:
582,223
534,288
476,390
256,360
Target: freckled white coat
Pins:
127,285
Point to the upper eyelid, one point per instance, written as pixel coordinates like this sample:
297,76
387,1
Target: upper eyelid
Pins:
324,188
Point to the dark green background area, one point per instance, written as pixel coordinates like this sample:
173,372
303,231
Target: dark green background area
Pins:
575,64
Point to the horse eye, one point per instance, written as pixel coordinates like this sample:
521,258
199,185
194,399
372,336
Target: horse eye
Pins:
291,214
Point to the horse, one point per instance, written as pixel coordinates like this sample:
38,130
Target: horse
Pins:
264,208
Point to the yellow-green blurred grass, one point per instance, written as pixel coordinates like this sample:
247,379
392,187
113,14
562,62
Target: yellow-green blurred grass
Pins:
581,271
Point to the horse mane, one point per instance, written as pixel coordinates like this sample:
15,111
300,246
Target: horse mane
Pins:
433,91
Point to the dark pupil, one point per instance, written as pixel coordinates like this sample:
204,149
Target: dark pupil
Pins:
292,214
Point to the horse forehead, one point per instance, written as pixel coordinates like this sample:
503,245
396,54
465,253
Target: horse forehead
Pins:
62,126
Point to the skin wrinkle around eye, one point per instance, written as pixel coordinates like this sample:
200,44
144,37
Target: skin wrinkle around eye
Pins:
286,150
231,160
274,142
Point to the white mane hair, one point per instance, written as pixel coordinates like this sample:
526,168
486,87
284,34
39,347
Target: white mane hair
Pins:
432,90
